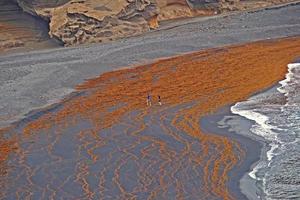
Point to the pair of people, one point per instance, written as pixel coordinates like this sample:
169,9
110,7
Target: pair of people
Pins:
149,102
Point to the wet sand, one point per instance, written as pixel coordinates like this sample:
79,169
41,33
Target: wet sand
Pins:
105,142
252,149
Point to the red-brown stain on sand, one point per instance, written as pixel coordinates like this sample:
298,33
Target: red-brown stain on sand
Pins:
210,79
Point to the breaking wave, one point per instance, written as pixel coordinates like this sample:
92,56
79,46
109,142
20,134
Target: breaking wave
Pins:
276,117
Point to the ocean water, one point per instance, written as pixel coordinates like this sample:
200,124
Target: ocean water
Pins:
275,114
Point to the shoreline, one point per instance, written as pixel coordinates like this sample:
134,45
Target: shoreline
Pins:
205,81
67,92
217,123
208,81
240,180
253,148
271,154
246,180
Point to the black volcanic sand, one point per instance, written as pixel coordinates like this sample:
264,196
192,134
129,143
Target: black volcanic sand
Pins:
141,156
209,124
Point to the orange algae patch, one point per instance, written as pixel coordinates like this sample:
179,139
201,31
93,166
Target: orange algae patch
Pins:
5,149
210,79
6,146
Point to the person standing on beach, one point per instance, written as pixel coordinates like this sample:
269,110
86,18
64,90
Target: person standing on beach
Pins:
148,100
159,100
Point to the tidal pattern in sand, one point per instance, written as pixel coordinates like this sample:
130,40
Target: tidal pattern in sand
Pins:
105,142
276,114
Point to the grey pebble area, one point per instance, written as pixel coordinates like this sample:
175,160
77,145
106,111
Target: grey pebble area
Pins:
32,80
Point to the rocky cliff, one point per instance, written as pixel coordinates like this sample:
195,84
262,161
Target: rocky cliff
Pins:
19,30
88,21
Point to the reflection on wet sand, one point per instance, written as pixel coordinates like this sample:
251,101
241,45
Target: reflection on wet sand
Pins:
106,143
22,31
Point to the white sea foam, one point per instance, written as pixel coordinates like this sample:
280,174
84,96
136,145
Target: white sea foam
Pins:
288,77
252,174
276,115
271,153
261,127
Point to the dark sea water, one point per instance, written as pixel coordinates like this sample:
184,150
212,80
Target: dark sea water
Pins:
275,114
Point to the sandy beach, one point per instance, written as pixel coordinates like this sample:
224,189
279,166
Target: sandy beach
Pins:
211,124
76,123
105,131
32,80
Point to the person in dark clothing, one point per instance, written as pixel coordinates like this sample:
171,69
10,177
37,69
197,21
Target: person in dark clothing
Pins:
148,100
159,100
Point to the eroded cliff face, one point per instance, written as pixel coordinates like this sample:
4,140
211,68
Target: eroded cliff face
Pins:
172,9
19,30
89,21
